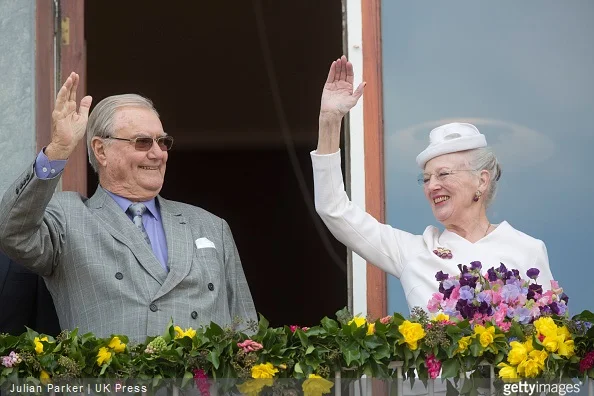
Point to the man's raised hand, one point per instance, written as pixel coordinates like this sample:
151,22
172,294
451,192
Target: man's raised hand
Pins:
68,125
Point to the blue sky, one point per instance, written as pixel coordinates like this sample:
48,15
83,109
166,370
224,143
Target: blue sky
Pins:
523,72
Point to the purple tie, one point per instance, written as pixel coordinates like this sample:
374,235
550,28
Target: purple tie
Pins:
137,210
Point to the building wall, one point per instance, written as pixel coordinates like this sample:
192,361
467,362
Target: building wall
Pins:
17,88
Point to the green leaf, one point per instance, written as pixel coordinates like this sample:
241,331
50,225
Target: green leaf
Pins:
187,377
450,368
298,368
331,326
213,357
303,338
451,389
351,355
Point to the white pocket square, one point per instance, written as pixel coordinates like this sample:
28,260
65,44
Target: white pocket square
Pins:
202,243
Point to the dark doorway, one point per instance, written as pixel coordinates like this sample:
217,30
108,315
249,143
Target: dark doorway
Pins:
203,66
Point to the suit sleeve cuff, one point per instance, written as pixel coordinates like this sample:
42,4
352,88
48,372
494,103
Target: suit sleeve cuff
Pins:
46,169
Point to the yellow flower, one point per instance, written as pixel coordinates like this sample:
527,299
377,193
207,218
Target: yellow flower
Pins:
486,334
539,357
103,356
265,370
507,372
315,385
44,377
38,344
528,345
529,368
564,331
179,333
441,317
117,345
412,333
546,326
551,343
371,329
359,321
517,354
463,344
254,386
566,349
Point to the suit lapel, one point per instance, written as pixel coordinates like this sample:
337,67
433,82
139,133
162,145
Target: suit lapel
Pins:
180,246
117,223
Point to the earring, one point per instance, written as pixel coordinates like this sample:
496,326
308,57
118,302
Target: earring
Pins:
477,195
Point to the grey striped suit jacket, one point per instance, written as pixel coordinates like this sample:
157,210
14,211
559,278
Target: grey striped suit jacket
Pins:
105,278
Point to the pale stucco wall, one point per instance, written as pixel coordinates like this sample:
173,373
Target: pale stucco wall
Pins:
17,88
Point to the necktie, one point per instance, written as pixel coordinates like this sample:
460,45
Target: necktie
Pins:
137,210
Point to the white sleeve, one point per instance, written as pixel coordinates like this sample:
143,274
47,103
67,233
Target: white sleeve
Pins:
378,243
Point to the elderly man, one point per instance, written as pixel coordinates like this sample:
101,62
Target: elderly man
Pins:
126,260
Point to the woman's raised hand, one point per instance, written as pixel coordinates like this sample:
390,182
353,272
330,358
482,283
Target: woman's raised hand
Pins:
338,96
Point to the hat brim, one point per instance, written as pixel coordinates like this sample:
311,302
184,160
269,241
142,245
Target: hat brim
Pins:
451,146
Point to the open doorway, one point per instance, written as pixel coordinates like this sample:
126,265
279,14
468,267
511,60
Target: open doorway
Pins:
202,64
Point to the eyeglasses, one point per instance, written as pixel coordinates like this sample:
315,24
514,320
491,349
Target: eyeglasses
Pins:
146,143
441,176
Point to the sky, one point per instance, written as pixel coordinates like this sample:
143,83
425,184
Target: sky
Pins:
523,73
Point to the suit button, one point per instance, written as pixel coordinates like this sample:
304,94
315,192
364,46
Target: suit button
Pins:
153,307
194,314
17,191
119,276
210,287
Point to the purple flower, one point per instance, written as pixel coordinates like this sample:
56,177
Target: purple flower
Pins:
466,310
502,269
510,293
564,297
476,265
533,289
545,310
492,275
466,293
532,273
463,269
554,308
468,280
484,297
449,283
440,276
522,314
485,309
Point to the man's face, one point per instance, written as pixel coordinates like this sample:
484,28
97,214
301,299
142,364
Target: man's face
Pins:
128,172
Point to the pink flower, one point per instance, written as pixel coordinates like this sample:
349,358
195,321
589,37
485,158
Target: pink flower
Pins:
433,366
587,362
249,346
555,287
388,319
7,361
201,381
305,328
495,297
455,293
504,326
12,359
432,305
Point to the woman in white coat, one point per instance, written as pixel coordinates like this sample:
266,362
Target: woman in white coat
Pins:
459,178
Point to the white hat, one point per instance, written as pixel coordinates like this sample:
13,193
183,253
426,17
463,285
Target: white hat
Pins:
451,138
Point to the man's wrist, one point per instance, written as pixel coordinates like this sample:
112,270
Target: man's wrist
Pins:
55,152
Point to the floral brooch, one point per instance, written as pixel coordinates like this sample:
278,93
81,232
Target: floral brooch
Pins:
443,253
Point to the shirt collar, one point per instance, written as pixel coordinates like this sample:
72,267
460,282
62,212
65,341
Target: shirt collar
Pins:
124,203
